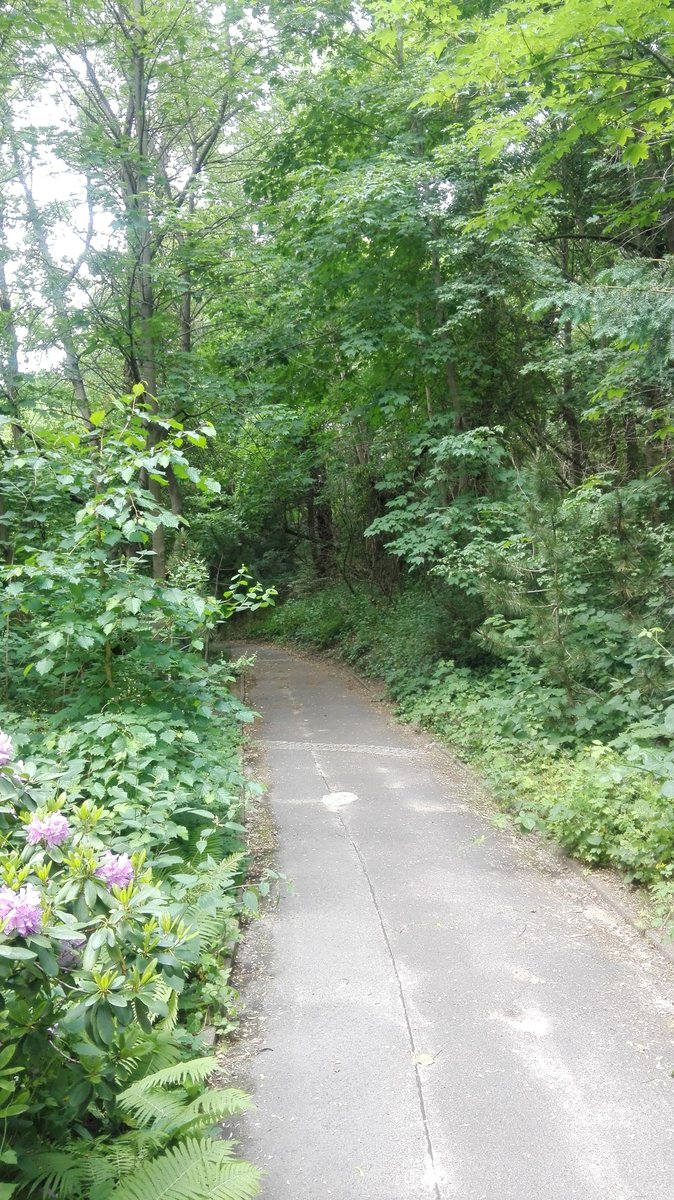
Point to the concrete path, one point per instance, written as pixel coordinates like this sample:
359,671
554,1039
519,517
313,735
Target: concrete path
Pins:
446,1013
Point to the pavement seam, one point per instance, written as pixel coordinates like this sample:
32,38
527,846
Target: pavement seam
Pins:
344,748
648,934
401,991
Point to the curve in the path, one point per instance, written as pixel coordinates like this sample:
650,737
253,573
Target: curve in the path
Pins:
446,1019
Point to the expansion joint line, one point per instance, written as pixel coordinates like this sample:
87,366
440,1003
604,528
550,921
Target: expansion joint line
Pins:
399,983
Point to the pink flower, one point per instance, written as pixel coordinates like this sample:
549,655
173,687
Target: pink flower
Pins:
20,912
6,749
56,829
7,897
116,869
34,831
52,830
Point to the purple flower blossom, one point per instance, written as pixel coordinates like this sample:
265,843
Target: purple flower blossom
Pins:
34,831
7,897
20,912
56,829
116,869
52,829
6,749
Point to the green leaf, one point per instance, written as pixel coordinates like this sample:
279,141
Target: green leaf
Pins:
636,152
18,953
104,1024
196,1169
6,1054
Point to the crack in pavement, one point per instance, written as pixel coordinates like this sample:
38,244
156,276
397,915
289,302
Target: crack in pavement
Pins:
313,748
401,991
415,918
344,748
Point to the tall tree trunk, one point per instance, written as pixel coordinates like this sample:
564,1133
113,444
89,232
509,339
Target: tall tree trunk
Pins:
319,523
567,408
632,456
10,340
9,365
186,295
140,233
56,294
451,380
175,495
10,371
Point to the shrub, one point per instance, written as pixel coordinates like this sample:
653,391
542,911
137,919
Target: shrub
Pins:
607,800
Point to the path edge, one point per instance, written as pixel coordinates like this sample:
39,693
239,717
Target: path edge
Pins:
378,696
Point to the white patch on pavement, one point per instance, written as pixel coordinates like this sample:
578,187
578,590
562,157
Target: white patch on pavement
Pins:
525,976
529,1021
336,800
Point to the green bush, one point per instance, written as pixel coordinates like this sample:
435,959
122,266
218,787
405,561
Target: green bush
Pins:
608,804
122,854
399,640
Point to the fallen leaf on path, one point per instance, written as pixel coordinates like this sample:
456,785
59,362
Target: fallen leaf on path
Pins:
426,1060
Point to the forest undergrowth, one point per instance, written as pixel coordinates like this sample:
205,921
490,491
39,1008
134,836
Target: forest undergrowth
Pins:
605,799
123,857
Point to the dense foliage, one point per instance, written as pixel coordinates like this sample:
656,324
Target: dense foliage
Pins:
122,858
465,420
378,300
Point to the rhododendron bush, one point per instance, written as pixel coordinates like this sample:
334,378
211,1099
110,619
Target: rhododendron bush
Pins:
92,942
122,856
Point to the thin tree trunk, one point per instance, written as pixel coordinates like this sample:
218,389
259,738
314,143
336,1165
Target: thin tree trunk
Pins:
631,446
55,293
568,410
175,495
10,358
10,371
186,297
140,234
319,524
451,378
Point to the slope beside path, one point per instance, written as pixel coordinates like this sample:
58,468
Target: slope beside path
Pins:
442,1013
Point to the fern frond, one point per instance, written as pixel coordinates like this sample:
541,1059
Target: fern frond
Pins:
170,1114
54,1173
194,1070
145,1053
193,1170
102,1173
207,1110
156,1107
208,926
217,875
170,1021
120,1157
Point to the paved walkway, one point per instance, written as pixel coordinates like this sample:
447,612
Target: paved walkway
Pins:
446,1018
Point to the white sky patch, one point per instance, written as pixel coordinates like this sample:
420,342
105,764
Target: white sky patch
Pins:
53,183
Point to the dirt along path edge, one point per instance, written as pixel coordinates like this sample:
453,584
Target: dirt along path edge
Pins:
320,750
